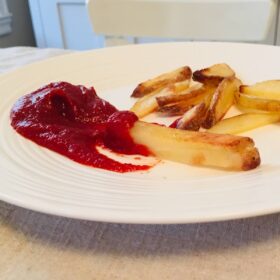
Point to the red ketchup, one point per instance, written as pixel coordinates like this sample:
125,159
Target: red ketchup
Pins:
175,123
73,121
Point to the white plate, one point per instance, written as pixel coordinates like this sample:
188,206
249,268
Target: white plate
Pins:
38,179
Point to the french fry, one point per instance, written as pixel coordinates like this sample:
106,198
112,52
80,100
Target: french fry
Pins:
205,105
178,104
267,89
175,109
148,103
157,83
179,86
197,148
257,103
192,119
213,74
196,92
244,122
221,101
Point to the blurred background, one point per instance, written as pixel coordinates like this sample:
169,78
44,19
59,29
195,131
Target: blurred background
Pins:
82,25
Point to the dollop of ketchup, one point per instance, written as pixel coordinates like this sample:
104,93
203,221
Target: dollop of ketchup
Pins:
73,121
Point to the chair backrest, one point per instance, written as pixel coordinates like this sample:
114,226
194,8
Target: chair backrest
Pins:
228,20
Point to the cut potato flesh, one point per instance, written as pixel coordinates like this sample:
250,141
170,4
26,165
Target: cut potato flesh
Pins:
267,89
257,103
197,148
244,122
148,103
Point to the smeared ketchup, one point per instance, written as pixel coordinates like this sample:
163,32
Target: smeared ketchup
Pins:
73,121
175,123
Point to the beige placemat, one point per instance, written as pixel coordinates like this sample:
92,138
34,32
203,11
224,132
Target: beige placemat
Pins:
38,246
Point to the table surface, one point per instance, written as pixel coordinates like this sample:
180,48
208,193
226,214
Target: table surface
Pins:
39,246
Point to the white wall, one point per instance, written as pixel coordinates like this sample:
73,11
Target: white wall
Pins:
22,33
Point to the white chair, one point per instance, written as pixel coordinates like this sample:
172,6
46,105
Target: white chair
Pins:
228,20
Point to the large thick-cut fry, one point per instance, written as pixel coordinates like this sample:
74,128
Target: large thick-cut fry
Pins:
244,122
193,118
257,103
178,75
148,103
197,148
222,100
267,89
213,74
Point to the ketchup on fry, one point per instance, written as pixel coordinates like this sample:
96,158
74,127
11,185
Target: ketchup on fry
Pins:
73,121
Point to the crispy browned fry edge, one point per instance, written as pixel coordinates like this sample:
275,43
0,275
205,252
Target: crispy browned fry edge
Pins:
175,109
148,103
226,91
185,101
198,148
181,107
178,75
187,96
193,118
251,159
210,74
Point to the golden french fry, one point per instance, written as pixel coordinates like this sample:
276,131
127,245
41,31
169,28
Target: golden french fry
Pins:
197,148
267,89
192,93
208,98
148,103
193,118
188,98
178,104
175,109
178,75
257,103
180,86
221,101
213,74
244,122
